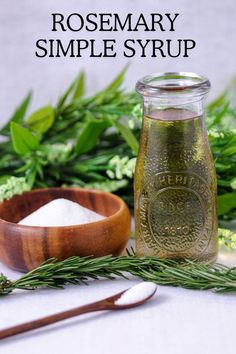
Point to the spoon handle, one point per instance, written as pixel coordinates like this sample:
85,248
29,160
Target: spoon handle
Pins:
44,321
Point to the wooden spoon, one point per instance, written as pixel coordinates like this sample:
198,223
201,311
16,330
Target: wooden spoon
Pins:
110,303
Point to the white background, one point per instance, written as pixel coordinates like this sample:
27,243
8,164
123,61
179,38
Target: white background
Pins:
211,23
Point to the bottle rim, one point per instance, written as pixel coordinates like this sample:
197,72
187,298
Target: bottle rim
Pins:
167,83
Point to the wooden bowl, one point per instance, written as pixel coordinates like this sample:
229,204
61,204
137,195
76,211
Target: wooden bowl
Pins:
25,247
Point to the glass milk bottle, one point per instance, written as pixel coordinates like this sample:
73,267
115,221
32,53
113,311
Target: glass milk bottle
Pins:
175,178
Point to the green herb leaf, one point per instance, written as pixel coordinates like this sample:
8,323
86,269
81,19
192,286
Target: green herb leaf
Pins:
230,147
76,90
4,178
219,115
115,84
23,140
128,136
89,135
112,87
79,87
226,202
62,100
218,102
18,115
41,120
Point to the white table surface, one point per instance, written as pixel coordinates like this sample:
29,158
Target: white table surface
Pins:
176,321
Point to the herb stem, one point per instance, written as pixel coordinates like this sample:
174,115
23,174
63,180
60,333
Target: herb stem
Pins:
78,270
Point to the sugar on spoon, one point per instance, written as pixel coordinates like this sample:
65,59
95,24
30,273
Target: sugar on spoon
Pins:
134,296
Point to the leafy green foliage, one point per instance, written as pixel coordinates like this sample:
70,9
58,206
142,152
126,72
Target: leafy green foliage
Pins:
18,115
93,141
89,135
41,120
22,139
128,136
13,185
79,90
69,92
226,202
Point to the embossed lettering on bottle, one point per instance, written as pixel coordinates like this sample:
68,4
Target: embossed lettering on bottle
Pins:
178,213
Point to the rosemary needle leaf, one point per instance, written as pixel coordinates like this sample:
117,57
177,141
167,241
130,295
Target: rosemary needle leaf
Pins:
79,270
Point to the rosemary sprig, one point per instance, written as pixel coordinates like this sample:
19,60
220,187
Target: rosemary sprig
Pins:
78,270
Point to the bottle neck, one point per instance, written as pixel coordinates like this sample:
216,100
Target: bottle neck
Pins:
174,138
181,122
193,105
